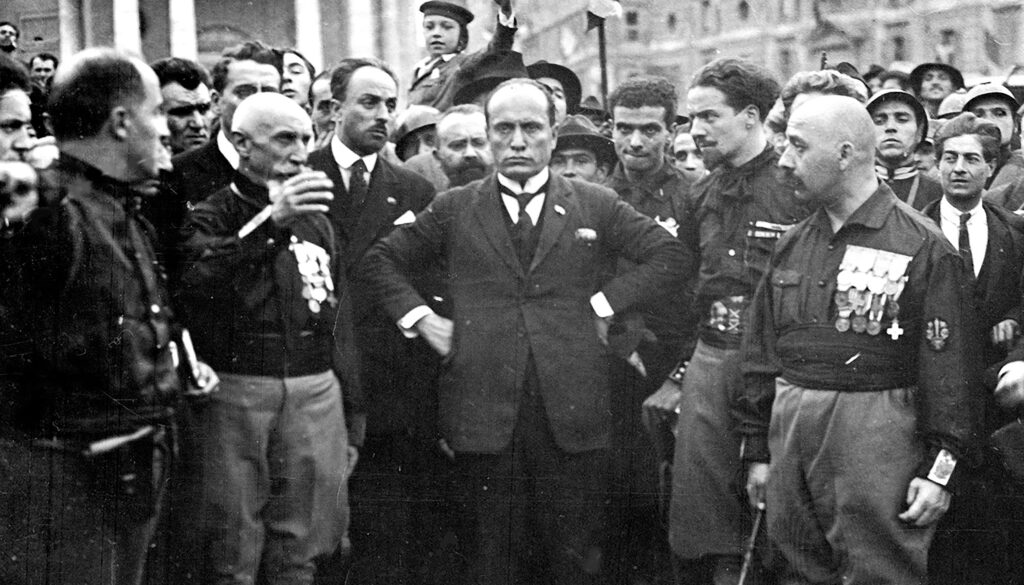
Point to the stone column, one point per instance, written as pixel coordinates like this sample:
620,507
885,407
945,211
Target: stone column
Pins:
127,35
181,20
308,38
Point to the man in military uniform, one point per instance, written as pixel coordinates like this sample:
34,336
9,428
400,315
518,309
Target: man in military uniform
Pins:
83,474
741,210
901,124
856,355
650,338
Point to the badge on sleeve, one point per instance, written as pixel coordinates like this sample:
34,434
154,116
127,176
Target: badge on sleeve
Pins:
937,332
943,468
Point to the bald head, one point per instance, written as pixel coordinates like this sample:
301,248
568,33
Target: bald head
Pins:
841,120
262,110
270,132
830,156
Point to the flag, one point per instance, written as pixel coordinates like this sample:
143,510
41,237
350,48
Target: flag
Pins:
599,10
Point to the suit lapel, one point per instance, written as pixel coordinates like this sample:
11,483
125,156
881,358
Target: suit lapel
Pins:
488,210
559,207
373,214
425,71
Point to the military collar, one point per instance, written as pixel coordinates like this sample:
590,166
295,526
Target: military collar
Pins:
871,214
120,190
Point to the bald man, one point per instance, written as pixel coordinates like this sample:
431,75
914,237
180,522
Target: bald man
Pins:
856,356
263,288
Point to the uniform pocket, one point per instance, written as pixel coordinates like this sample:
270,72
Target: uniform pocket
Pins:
786,296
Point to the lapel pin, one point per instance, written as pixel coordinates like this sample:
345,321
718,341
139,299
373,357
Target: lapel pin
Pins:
559,210
392,201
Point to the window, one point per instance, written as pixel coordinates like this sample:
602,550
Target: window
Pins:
899,48
671,22
632,18
744,10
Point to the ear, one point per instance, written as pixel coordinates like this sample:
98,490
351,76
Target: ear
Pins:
215,98
846,154
120,122
752,115
337,110
242,144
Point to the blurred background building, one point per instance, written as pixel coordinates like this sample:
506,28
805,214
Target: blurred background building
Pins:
665,37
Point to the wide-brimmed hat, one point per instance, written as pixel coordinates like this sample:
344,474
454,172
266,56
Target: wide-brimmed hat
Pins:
448,9
898,95
917,75
996,90
492,70
591,107
414,118
578,132
570,82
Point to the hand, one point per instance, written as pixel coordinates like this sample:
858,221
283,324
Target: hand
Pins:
662,406
1005,332
206,383
927,502
350,465
757,483
307,193
43,153
437,331
19,185
602,324
443,446
1009,391
637,363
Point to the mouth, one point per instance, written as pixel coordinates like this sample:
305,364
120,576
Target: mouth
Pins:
290,93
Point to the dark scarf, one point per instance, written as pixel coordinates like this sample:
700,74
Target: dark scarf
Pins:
733,183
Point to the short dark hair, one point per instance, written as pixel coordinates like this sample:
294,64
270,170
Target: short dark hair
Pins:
967,124
13,75
902,78
247,51
45,57
83,95
343,73
325,74
305,61
17,31
743,82
523,81
185,72
642,91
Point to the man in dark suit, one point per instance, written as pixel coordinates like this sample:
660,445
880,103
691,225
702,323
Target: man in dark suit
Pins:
524,400
372,197
971,542
242,71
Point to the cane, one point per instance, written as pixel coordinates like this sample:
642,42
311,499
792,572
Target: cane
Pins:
748,554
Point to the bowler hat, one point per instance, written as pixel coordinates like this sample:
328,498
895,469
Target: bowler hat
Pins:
570,82
448,9
488,74
917,75
579,132
413,119
898,95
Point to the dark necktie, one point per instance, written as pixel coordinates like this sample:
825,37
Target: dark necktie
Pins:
965,244
524,227
357,186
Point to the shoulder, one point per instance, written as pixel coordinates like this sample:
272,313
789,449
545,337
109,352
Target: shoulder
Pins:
406,176
321,157
914,230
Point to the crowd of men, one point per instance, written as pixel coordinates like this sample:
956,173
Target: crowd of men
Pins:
261,325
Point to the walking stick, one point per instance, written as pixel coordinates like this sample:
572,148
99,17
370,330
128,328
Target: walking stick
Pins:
748,554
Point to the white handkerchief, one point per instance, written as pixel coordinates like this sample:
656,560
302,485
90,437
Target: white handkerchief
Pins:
406,218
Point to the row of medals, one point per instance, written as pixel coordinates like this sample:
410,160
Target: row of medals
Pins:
868,288
314,267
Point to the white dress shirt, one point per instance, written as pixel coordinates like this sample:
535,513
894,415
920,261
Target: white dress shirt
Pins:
977,230
227,149
345,158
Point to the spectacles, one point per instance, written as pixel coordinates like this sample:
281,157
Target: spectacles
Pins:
183,111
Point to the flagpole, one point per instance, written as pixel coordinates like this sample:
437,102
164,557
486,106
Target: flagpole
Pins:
603,56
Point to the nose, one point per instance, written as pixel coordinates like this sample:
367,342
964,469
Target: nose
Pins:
636,139
697,128
518,141
22,142
786,160
196,120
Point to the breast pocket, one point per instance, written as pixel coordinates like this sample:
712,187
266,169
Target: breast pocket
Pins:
786,296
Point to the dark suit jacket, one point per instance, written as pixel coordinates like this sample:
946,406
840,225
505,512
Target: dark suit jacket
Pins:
197,174
503,313
997,295
397,373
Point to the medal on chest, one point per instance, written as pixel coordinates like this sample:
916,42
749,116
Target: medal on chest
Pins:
868,287
314,267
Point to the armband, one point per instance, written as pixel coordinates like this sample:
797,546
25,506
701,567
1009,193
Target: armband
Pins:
943,468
